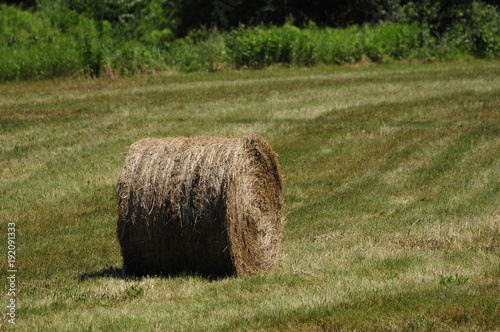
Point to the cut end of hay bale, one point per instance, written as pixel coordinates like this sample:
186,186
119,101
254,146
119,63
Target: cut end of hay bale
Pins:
206,205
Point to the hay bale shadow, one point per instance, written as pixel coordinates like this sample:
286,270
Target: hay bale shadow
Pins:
108,272
119,273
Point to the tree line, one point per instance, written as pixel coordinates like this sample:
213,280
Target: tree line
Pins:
47,38
183,16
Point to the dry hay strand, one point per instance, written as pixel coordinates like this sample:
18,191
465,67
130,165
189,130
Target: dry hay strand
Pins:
207,205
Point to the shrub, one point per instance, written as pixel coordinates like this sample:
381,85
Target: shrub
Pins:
259,47
303,50
33,48
337,46
129,58
393,40
195,53
478,31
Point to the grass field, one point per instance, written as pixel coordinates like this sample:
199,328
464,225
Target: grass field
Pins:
392,194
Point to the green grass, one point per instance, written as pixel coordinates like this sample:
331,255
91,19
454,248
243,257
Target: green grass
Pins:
392,194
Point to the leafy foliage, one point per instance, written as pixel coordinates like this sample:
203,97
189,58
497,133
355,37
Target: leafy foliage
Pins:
83,37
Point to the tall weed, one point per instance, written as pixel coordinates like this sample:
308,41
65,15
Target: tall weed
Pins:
392,40
32,48
337,46
188,55
261,46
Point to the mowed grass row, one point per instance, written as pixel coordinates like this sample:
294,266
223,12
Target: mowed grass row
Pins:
392,193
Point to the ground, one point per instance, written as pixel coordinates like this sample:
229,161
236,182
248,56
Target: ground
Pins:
392,198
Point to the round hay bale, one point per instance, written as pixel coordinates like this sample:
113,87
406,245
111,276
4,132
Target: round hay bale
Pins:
206,205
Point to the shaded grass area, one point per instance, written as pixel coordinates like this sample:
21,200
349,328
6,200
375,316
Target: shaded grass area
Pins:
391,190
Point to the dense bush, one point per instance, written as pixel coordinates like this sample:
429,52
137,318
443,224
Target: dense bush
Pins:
288,45
56,41
260,47
188,55
395,40
477,31
32,48
83,37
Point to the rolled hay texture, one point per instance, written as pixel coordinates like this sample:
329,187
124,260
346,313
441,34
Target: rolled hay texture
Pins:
207,205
